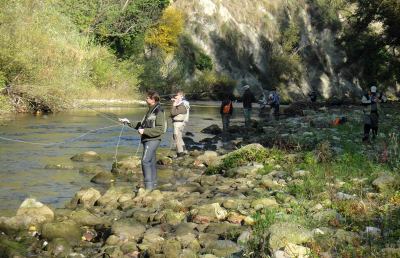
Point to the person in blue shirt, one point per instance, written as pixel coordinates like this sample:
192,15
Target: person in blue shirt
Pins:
274,102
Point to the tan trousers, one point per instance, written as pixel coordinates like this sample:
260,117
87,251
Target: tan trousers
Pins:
178,133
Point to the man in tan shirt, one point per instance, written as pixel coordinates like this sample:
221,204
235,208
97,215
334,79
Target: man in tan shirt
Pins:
180,116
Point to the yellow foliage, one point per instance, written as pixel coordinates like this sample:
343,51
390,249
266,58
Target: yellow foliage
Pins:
165,34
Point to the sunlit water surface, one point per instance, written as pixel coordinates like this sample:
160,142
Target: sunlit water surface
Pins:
22,170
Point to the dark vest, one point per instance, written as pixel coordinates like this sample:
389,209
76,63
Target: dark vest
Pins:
149,120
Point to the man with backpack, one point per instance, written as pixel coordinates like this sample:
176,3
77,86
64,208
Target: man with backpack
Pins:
226,112
180,116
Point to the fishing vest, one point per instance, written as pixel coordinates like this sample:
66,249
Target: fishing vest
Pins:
183,117
149,120
370,103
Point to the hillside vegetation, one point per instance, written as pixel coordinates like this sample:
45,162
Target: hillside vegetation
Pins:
53,51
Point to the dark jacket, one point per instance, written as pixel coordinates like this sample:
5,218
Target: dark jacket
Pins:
223,104
153,123
248,98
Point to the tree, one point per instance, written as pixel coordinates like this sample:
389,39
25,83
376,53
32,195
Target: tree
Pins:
118,24
165,34
372,40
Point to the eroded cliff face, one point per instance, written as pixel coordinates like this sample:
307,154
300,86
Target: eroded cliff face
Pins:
242,37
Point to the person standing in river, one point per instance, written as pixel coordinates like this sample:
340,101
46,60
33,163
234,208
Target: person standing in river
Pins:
274,102
248,99
226,111
180,116
151,129
369,102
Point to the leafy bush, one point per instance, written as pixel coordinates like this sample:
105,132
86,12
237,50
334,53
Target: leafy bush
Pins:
5,105
213,84
203,62
247,154
326,13
324,152
257,246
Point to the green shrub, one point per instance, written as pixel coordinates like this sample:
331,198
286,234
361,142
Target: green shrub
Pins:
213,85
203,62
247,154
257,246
5,105
324,152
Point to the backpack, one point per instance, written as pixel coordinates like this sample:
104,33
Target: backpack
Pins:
274,98
227,108
187,106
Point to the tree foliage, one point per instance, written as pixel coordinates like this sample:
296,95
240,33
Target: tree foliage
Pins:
372,40
164,35
118,24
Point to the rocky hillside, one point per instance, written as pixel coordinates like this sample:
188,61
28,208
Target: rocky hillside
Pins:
270,44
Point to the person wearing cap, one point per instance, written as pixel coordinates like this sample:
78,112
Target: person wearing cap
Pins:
248,99
369,102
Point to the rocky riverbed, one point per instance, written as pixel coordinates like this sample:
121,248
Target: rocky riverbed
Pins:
294,187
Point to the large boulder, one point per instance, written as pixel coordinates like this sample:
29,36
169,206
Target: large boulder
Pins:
189,241
209,213
244,171
171,248
91,170
103,178
30,213
88,156
385,182
212,129
298,251
86,197
282,233
152,241
85,218
126,167
224,230
115,195
223,248
36,211
68,230
174,218
347,237
128,229
209,158
264,203
327,217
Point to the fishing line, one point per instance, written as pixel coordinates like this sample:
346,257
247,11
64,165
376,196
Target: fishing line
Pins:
57,143
119,139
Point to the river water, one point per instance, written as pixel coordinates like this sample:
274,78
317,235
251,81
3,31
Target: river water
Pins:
23,165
